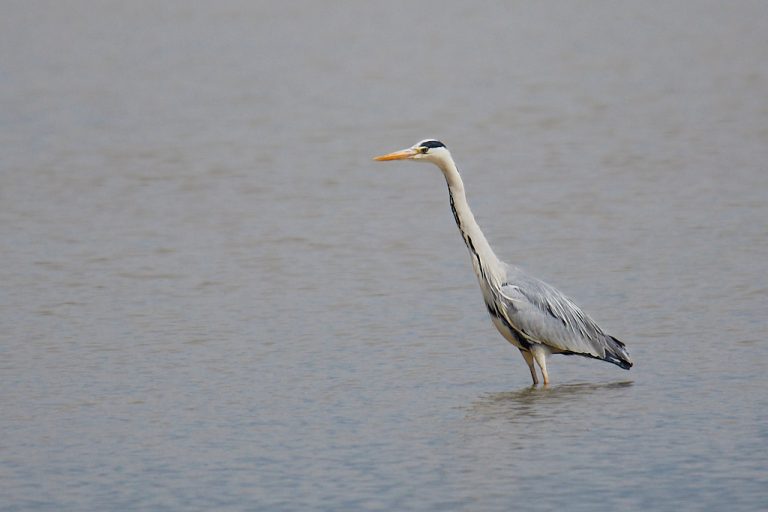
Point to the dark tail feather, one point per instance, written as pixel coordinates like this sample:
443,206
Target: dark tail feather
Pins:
617,354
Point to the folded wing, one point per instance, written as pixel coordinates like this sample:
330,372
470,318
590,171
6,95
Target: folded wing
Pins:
544,315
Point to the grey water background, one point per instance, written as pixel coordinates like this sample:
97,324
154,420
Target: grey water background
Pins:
212,298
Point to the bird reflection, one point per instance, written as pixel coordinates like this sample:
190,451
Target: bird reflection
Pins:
532,402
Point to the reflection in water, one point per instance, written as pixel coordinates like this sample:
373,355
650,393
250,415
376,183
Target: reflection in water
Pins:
533,402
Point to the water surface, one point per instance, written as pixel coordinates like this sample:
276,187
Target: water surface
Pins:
213,299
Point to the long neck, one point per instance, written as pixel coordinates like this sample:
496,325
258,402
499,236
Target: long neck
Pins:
484,261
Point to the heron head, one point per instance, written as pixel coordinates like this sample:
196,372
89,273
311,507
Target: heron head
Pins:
428,150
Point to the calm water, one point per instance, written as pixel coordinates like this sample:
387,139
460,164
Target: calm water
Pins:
212,298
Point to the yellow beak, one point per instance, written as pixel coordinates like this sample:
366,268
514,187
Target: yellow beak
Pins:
397,155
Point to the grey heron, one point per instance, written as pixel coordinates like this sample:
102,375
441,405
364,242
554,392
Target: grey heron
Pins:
532,315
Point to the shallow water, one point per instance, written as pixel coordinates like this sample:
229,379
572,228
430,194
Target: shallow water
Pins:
213,299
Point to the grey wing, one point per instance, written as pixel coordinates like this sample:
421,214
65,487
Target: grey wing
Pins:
545,315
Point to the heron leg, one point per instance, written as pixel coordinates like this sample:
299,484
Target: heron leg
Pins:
540,355
529,361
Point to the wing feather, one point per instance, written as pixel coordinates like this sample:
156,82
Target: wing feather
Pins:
545,315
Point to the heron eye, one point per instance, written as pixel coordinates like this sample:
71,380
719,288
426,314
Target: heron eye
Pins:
423,150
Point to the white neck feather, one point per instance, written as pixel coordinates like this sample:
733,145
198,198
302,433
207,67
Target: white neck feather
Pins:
484,261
